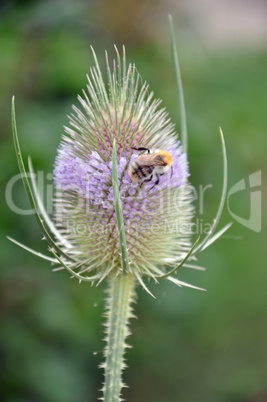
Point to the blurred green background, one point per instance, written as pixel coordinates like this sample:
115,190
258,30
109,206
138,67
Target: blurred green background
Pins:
187,345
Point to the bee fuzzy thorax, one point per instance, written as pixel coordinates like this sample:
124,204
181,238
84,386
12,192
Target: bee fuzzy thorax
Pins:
165,156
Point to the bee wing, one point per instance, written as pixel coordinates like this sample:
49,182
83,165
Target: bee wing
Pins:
150,160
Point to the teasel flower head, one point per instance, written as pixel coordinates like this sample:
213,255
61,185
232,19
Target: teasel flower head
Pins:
156,217
152,238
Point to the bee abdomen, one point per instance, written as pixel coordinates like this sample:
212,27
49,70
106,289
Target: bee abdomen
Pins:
141,172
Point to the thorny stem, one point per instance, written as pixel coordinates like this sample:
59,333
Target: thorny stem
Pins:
118,312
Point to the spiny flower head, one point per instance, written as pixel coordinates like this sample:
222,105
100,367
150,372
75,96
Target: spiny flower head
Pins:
156,213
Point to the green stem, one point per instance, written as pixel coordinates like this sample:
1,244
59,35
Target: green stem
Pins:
118,312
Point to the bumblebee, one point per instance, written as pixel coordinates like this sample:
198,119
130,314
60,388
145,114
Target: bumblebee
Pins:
150,166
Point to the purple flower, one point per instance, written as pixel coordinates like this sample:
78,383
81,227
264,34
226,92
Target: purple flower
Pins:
156,216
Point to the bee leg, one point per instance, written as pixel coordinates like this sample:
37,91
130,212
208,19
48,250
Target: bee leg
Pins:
156,182
146,181
141,149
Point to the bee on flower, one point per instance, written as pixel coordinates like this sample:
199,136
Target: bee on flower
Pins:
150,166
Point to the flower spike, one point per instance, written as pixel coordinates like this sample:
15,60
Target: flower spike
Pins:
92,177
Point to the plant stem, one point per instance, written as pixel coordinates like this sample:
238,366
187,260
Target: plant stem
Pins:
118,312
